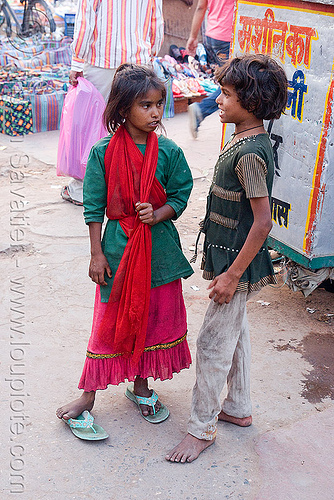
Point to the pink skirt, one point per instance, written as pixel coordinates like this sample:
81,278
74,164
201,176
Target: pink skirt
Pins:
166,347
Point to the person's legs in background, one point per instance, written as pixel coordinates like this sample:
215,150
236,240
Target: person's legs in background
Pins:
101,78
217,52
198,111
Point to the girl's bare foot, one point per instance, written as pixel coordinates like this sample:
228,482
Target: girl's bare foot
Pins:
76,407
242,422
188,449
141,389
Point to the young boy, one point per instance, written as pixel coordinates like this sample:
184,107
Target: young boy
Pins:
235,255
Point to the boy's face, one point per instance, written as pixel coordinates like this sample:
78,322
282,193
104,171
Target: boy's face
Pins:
230,109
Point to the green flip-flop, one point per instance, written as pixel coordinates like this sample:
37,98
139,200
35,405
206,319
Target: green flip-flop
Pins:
159,416
83,427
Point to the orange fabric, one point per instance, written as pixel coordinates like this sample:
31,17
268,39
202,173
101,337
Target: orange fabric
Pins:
130,177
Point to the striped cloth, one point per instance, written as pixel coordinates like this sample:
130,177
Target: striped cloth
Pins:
108,33
252,172
46,109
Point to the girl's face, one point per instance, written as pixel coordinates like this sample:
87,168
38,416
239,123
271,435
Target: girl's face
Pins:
230,109
144,115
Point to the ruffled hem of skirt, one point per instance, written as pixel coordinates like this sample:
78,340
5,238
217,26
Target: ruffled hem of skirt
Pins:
98,373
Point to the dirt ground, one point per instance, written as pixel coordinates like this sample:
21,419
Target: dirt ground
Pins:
46,311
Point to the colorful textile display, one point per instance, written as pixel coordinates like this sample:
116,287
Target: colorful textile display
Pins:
47,104
169,104
15,116
40,71
28,54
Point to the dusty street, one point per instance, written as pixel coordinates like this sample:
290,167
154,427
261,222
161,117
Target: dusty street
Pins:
46,312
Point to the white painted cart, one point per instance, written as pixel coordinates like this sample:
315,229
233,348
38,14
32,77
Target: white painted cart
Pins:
300,35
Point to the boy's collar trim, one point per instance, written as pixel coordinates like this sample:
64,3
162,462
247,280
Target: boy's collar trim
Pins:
227,146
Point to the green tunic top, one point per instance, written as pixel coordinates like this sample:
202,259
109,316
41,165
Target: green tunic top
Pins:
243,171
168,261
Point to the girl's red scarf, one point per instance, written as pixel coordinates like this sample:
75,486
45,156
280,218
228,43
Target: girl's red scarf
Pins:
130,177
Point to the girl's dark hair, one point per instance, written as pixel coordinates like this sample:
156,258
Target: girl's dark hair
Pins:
260,84
130,82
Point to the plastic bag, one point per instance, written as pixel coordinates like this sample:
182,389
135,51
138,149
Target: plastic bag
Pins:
80,128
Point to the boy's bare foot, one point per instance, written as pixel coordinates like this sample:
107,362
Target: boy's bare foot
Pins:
141,389
76,407
242,422
188,449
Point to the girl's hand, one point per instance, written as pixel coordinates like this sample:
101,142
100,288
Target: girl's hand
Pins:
146,213
97,267
223,288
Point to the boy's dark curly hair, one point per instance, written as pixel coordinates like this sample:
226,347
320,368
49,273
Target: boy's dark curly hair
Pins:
260,83
130,82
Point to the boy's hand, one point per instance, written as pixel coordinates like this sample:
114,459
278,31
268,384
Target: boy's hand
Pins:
97,267
223,288
146,213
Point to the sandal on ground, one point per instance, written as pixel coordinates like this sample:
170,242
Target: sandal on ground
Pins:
208,85
195,84
182,86
175,53
159,416
159,69
176,90
66,196
83,427
192,87
169,68
170,59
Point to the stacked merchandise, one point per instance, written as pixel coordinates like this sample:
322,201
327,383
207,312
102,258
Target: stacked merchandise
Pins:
64,16
33,84
28,53
190,79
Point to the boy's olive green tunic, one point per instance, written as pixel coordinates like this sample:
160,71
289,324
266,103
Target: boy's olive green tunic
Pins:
243,171
168,261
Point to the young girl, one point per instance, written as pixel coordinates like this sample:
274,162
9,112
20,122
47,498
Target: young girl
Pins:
235,256
141,182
